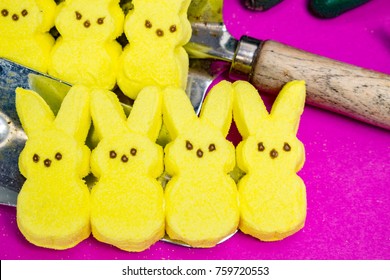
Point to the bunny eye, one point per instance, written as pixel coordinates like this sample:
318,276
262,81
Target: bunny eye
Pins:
133,151
78,15
260,147
58,156
212,147
24,13
172,28
112,154
286,147
189,146
148,24
100,20
4,12
35,158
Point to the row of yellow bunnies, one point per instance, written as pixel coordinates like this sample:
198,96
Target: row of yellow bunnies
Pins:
87,51
128,207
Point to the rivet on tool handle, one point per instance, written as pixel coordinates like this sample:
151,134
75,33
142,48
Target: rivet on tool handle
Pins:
244,57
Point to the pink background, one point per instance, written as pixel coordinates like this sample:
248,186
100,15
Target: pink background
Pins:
347,171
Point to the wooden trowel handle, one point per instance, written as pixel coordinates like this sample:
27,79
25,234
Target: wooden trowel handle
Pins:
343,88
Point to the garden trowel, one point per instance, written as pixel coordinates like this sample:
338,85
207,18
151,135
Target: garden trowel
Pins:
339,87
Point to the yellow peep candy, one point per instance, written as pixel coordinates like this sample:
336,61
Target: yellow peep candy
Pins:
201,198
24,27
127,201
87,52
157,31
272,196
53,208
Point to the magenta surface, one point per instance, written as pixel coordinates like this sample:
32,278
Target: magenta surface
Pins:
347,169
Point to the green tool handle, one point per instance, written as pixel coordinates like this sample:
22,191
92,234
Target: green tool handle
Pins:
333,8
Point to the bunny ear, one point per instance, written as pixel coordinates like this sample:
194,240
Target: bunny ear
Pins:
34,113
145,117
249,110
177,109
49,9
185,23
218,105
74,115
184,4
289,104
107,113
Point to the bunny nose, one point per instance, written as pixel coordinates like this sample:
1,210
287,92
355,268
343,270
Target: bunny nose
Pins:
124,158
273,153
87,23
47,162
199,153
159,33
15,17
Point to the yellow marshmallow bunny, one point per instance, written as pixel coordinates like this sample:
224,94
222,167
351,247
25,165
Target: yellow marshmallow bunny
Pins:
87,52
201,198
24,27
157,31
127,201
53,205
272,195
